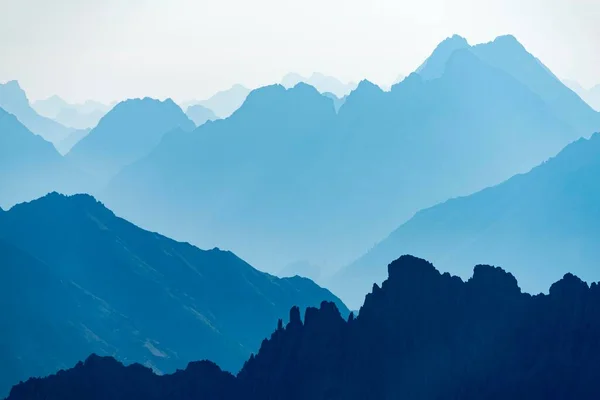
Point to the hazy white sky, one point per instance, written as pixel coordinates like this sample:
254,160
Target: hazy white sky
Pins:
114,49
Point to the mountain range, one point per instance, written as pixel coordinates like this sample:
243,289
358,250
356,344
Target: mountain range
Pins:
14,100
323,83
223,103
287,179
76,280
127,133
420,335
533,224
80,116
30,166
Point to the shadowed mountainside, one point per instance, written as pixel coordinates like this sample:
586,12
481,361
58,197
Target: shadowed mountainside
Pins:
421,335
79,280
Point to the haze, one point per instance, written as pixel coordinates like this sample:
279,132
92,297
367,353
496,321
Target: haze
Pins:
184,49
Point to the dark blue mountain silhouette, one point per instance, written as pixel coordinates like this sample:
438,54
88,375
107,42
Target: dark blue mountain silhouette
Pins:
421,335
100,284
534,225
127,133
342,180
200,114
14,100
30,167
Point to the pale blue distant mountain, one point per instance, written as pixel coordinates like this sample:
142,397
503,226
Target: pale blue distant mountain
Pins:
65,145
287,179
507,54
14,100
127,133
590,96
223,103
80,116
30,167
534,225
323,83
200,114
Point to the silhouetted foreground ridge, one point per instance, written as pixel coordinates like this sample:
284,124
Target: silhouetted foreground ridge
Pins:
422,335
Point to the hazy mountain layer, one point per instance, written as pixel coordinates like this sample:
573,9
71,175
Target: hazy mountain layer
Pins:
287,179
30,167
534,225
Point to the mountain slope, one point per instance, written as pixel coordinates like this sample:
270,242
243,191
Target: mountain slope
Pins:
80,116
128,132
30,166
507,54
341,180
323,83
421,335
533,224
14,100
223,103
130,293
200,114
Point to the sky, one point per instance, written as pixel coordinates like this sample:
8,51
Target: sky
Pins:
110,50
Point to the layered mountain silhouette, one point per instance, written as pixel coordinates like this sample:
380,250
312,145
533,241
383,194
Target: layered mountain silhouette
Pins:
223,103
323,83
14,100
80,116
30,166
127,133
287,179
507,54
77,280
200,114
420,335
590,96
535,225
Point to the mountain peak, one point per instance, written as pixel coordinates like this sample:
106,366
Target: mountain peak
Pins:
491,279
409,267
54,201
435,64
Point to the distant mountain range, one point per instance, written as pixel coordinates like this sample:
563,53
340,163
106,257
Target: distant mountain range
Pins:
127,133
76,279
223,103
14,100
287,179
591,96
534,225
421,335
508,55
30,166
323,83
200,114
80,116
